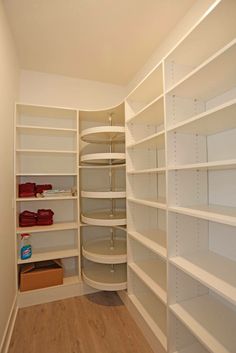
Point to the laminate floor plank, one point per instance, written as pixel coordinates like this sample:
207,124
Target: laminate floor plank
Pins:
96,323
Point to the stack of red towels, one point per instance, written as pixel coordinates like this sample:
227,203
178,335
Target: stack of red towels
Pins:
41,218
31,189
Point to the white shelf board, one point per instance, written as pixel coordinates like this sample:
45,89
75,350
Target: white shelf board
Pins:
147,171
46,174
44,151
104,194
219,81
193,348
116,112
113,166
49,255
216,165
27,128
154,240
214,271
104,217
160,203
102,277
25,199
150,322
103,158
204,317
147,270
214,213
155,140
210,122
150,117
51,228
104,134
100,250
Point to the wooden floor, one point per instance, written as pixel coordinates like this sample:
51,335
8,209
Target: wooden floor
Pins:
96,323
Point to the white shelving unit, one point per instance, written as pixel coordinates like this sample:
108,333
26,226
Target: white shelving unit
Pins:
181,208
102,137
46,153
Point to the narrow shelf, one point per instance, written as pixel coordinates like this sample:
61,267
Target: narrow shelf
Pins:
210,122
152,276
45,129
214,271
50,255
152,111
106,166
104,218
25,199
216,165
157,140
220,81
214,213
102,276
160,203
103,158
104,194
44,151
148,171
46,174
104,134
203,316
194,348
149,320
149,239
101,251
52,228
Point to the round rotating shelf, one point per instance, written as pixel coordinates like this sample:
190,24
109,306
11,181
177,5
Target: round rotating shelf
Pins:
104,218
104,134
100,250
104,194
102,277
103,158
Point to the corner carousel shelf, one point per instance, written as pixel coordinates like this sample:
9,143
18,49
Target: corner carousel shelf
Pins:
104,255
105,277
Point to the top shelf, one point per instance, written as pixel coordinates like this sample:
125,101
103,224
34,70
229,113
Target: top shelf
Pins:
102,116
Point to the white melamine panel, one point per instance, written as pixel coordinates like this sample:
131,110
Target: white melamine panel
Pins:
31,115
146,91
152,114
202,42
101,117
141,159
145,301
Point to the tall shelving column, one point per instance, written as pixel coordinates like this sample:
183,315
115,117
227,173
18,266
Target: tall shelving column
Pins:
102,184
146,203
46,153
200,106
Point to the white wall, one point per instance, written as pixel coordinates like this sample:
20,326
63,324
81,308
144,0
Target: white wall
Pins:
46,89
8,88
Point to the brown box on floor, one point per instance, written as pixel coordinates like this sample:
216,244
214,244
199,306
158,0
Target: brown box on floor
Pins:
41,274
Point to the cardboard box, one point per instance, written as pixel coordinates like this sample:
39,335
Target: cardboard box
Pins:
41,274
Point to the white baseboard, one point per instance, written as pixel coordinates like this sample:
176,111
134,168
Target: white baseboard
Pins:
145,329
9,328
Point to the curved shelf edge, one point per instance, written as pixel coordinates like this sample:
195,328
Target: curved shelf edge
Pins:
103,158
104,134
104,194
89,219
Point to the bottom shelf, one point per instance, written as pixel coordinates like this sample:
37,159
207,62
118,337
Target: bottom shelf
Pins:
102,276
194,348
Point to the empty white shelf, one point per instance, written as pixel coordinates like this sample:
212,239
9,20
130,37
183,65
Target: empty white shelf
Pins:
149,320
56,198
46,174
153,239
211,269
216,165
147,171
51,228
104,134
104,194
209,122
44,254
113,166
44,151
156,140
152,275
151,113
103,277
214,213
204,317
104,218
160,203
43,129
103,158
102,251
193,348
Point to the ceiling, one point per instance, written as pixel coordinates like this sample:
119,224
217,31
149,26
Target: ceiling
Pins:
101,40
